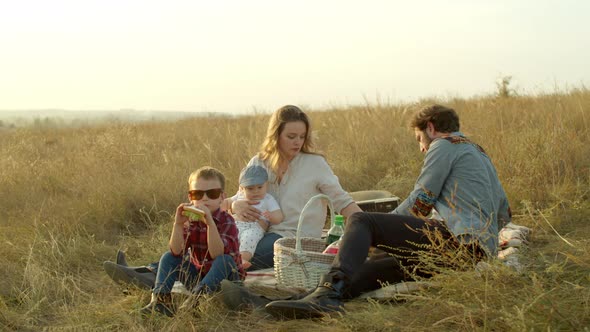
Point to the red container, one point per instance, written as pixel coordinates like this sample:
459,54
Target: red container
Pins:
332,249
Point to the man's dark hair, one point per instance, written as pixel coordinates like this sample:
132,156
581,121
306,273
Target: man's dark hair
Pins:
444,119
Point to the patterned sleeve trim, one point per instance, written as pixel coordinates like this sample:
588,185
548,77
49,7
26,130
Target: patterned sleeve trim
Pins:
424,203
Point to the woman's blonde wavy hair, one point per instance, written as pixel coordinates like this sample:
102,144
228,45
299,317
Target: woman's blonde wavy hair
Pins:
269,151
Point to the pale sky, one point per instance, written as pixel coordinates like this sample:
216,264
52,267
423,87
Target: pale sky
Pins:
237,56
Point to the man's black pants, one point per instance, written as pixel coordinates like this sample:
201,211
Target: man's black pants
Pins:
404,238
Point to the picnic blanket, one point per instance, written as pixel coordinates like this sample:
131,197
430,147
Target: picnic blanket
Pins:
511,240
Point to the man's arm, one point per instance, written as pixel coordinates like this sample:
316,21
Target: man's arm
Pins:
438,164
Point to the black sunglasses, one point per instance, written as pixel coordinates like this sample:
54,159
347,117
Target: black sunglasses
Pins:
211,193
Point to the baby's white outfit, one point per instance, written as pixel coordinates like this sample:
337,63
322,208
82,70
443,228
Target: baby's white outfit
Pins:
251,232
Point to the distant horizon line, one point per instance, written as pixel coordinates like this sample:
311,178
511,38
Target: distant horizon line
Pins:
515,92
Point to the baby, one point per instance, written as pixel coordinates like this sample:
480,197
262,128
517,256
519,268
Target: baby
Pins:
253,186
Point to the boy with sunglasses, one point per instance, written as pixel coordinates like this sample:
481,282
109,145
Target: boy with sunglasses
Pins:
212,241
253,185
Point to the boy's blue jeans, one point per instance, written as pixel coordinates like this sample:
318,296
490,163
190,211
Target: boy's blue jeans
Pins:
263,255
172,268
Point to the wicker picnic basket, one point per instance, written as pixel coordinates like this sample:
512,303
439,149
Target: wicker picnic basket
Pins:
299,261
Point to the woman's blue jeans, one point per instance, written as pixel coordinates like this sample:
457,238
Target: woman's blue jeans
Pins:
264,253
172,268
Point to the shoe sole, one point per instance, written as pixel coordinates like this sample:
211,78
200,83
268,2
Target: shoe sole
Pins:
127,275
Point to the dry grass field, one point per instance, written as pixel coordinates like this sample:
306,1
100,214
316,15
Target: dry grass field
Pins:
70,197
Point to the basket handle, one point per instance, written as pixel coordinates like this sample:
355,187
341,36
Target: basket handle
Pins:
300,222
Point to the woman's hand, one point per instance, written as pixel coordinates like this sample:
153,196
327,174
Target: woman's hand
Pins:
226,205
246,210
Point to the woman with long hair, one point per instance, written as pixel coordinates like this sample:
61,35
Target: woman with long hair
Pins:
296,173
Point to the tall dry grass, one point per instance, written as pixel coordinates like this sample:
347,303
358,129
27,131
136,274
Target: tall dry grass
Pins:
69,197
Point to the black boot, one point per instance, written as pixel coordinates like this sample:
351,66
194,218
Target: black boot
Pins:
140,276
121,259
324,299
161,304
237,297
193,299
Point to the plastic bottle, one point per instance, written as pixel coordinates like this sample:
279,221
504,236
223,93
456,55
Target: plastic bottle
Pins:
333,248
336,231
